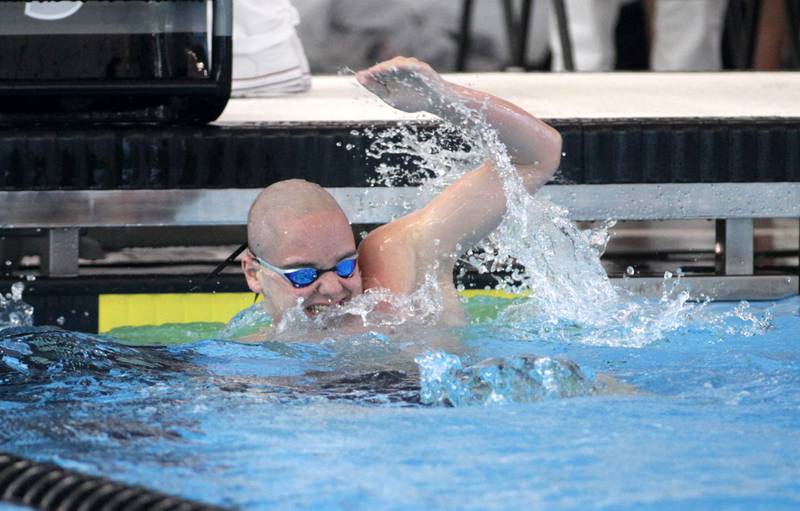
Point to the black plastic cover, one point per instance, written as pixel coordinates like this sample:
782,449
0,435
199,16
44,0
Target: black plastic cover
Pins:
256,155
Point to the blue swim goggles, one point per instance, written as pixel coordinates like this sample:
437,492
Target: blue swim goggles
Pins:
305,276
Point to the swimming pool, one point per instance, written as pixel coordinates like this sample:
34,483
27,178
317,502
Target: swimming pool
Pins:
712,420
575,397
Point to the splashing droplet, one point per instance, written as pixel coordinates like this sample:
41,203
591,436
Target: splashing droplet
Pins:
17,288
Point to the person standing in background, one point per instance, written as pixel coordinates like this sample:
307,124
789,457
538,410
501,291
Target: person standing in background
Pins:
687,34
268,57
772,37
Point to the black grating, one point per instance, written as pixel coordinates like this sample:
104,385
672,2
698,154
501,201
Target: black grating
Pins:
253,156
45,486
680,151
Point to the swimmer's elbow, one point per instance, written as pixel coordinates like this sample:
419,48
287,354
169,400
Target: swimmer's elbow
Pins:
551,159
547,162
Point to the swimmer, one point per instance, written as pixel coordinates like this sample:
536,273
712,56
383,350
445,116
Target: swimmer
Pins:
301,246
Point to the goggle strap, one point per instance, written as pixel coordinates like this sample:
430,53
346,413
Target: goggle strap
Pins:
221,266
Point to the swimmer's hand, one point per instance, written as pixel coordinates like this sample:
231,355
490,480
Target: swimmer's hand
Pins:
405,83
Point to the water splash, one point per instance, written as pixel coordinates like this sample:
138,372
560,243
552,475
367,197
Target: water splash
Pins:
537,249
374,309
445,381
13,310
741,321
247,322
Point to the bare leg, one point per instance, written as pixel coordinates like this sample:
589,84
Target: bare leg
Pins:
771,38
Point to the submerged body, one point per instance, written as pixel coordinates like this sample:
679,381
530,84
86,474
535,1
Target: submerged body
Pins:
295,225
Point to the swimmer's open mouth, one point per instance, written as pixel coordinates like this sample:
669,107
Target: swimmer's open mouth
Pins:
314,310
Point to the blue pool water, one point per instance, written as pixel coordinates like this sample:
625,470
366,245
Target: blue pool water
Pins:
707,417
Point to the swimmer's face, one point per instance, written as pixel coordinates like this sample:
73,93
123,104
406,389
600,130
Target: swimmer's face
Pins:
318,240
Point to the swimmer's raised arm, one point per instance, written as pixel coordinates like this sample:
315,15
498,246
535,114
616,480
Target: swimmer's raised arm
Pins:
469,209
413,86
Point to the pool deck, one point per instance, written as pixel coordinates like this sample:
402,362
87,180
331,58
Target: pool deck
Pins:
553,96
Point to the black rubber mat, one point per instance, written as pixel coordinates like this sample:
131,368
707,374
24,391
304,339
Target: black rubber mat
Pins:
251,155
46,486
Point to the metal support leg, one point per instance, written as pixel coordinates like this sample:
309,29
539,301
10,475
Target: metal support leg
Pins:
60,259
517,30
563,32
512,27
521,51
734,247
793,31
464,36
742,22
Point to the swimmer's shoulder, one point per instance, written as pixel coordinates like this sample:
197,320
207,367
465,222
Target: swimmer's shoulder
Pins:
387,258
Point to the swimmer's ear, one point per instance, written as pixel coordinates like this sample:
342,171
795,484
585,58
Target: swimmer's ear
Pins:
250,269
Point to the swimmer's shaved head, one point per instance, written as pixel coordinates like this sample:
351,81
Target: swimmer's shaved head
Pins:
296,224
281,204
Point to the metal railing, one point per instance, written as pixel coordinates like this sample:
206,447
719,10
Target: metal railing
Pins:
734,205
